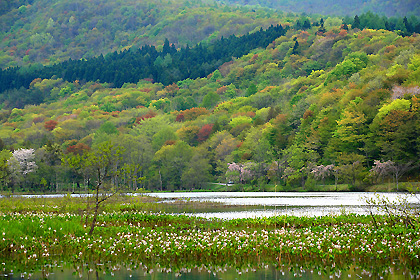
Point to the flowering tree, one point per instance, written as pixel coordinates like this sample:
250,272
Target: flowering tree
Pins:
238,172
386,168
20,164
22,161
381,169
322,172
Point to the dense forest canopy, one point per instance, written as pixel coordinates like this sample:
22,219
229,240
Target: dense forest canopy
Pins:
290,100
337,8
50,31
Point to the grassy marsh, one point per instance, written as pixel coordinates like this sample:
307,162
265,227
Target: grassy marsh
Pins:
40,233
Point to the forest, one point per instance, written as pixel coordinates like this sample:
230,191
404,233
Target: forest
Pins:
279,99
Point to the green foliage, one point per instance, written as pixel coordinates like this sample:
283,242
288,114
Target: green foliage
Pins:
345,99
108,128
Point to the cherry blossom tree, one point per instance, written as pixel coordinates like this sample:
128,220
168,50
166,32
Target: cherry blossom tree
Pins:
386,168
21,163
322,172
381,169
238,172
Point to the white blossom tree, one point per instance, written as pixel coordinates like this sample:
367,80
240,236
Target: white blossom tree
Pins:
386,168
21,163
238,172
322,172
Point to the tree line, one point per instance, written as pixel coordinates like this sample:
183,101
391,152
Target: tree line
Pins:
166,66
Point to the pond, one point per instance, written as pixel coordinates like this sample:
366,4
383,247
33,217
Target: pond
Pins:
265,204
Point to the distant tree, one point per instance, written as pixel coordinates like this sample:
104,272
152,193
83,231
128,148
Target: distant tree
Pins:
295,49
238,173
356,22
204,132
306,24
104,168
381,169
50,125
252,89
21,163
197,171
5,155
351,167
322,172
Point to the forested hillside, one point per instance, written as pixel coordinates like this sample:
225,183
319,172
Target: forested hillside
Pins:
306,102
338,8
35,32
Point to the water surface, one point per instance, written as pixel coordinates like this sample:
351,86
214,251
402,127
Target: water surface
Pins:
266,204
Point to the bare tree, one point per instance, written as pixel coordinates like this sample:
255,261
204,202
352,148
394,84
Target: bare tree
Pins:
104,168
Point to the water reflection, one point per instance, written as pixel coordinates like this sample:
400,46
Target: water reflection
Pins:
265,272
266,204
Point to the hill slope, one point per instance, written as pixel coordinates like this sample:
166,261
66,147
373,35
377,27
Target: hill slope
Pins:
49,31
309,108
338,8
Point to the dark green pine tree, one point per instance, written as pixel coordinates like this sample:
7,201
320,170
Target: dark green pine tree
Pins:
408,26
356,22
321,28
306,24
166,47
295,48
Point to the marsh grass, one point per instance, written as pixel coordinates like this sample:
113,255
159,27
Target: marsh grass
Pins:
38,234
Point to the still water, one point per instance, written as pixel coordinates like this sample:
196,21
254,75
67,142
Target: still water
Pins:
265,204
263,273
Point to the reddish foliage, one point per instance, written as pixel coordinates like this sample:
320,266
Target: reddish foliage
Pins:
50,125
221,90
14,125
78,149
193,113
180,118
343,32
204,132
146,89
27,51
115,113
148,115
280,119
170,142
37,80
253,58
172,88
225,68
248,114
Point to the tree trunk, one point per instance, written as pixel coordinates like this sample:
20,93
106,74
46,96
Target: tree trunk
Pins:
160,179
92,225
95,215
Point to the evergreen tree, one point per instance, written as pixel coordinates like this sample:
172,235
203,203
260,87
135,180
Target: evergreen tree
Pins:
356,22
